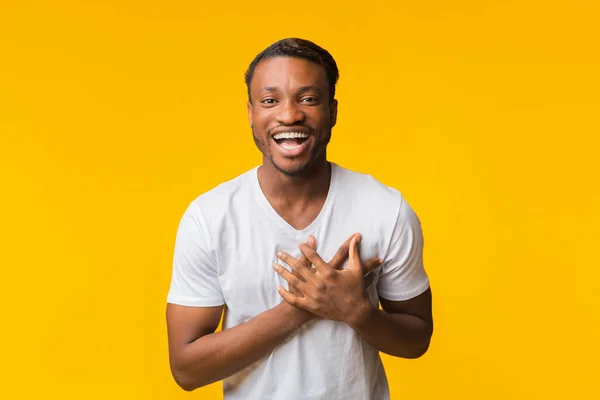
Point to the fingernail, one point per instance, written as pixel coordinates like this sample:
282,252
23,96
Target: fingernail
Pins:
276,267
279,254
380,260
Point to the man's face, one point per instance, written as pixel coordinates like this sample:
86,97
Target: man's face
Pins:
290,113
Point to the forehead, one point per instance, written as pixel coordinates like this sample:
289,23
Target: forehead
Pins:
288,74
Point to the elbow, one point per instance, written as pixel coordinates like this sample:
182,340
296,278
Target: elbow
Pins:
417,351
185,380
410,351
190,374
188,387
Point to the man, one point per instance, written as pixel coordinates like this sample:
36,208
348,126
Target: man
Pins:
296,326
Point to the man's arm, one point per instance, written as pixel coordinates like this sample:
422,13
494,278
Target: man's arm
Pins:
401,329
199,356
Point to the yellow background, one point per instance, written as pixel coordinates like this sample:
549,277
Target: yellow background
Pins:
114,115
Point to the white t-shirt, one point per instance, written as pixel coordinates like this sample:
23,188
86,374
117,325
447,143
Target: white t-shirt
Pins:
226,245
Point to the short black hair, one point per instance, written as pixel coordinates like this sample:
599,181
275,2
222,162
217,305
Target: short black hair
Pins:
298,48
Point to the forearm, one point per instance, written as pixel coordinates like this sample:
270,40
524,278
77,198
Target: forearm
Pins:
400,335
219,355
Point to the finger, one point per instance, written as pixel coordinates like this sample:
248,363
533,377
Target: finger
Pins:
314,258
371,264
312,242
299,269
293,280
290,298
295,292
341,255
355,264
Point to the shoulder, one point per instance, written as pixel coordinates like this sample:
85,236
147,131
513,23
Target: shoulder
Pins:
217,202
366,190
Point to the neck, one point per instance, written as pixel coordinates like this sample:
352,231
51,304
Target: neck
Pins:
294,190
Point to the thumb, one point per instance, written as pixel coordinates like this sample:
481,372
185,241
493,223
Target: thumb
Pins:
312,242
354,255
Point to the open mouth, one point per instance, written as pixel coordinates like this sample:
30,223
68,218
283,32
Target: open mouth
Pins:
290,140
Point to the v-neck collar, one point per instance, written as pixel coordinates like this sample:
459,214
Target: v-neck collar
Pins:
274,215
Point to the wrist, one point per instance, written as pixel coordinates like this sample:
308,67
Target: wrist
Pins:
361,315
294,315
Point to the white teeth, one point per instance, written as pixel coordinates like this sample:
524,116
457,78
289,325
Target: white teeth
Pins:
290,147
291,135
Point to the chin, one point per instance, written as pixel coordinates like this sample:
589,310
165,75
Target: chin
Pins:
299,170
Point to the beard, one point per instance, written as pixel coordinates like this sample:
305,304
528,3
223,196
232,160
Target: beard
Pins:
317,153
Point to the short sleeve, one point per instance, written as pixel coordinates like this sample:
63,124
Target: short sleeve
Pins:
403,275
195,277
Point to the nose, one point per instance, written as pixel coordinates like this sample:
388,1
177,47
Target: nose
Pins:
289,113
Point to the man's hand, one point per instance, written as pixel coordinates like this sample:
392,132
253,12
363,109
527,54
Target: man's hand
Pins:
326,290
312,243
336,262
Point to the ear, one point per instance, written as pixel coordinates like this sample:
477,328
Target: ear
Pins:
333,108
250,113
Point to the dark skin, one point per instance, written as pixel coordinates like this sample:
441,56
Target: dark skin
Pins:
292,95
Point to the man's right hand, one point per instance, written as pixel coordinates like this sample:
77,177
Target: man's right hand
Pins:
336,262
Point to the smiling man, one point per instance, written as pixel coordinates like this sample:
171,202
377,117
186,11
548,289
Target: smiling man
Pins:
253,250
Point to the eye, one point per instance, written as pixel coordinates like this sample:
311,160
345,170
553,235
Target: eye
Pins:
268,101
309,99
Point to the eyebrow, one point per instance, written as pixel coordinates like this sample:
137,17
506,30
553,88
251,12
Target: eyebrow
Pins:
268,89
302,89
309,88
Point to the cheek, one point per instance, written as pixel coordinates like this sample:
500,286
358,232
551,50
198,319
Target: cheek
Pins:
261,124
260,142
321,117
